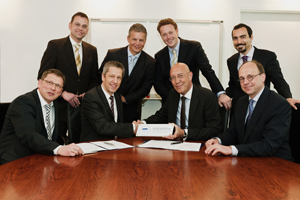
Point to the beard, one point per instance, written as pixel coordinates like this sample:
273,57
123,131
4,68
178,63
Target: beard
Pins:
241,48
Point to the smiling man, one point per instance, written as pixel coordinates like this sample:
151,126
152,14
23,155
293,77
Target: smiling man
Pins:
102,109
260,126
139,71
31,122
192,108
78,61
242,37
185,51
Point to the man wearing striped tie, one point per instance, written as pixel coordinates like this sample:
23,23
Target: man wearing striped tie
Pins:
31,122
242,38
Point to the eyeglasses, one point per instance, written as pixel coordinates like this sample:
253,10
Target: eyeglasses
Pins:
50,83
179,76
249,78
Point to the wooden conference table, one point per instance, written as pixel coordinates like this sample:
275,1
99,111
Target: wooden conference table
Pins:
140,173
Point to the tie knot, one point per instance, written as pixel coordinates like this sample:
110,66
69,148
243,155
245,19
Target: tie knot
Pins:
183,98
251,101
77,46
174,51
48,106
111,97
245,58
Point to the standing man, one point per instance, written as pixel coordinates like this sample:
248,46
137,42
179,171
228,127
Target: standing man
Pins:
260,126
102,109
192,108
139,71
31,122
78,60
185,51
242,38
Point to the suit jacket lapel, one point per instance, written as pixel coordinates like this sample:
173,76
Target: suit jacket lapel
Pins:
138,65
70,54
193,104
174,100
105,102
182,50
85,55
256,54
119,107
55,131
40,112
124,61
241,116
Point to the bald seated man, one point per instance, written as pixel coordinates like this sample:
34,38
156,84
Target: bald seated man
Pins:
200,120
260,126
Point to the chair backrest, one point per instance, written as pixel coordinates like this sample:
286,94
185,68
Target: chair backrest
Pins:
224,117
3,110
295,134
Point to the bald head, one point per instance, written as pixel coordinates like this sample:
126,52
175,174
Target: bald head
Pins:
181,78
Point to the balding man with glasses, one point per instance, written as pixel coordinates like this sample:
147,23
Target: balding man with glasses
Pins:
193,109
260,126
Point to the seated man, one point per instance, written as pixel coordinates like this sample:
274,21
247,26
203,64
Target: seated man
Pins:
259,127
31,122
102,111
198,117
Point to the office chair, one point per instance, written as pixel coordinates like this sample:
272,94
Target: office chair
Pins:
224,117
295,134
74,123
3,110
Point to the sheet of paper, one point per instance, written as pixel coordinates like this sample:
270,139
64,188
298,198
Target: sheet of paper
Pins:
172,145
154,130
90,148
112,144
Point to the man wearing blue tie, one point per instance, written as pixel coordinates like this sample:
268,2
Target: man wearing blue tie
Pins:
260,126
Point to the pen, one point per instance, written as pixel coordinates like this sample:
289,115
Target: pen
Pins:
175,143
109,143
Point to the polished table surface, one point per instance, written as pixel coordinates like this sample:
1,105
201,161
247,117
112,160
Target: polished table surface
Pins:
139,173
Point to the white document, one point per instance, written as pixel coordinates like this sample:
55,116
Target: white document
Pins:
154,130
112,144
89,148
172,145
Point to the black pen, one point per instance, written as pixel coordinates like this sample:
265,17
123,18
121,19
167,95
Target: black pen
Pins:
175,143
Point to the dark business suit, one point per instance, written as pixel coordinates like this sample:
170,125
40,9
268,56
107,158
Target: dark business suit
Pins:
24,131
273,74
192,54
97,118
60,55
136,86
204,120
267,132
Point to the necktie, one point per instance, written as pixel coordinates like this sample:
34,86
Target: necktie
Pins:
77,58
244,58
112,105
250,107
182,113
131,64
175,59
48,128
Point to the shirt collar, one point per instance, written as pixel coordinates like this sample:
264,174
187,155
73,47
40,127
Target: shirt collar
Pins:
249,54
130,54
177,46
258,95
105,93
188,95
73,42
42,100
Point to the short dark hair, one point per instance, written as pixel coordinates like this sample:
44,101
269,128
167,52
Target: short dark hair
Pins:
258,65
113,64
80,14
56,72
166,21
137,28
241,25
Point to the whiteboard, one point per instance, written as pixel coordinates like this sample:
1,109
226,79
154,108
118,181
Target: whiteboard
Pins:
112,33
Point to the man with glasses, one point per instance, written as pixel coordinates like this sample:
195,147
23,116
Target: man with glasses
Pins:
193,109
242,38
260,126
31,122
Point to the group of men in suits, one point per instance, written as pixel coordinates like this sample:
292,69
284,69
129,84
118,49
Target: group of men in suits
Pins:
111,102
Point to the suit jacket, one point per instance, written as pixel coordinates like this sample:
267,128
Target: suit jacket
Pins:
60,55
204,120
267,132
190,53
97,119
271,65
24,131
136,86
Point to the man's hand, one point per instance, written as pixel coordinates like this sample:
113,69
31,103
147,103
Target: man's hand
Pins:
123,99
136,125
211,142
225,101
292,102
70,150
71,98
178,133
218,149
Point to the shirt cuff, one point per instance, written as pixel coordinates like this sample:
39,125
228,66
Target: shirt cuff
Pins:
234,150
221,92
56,149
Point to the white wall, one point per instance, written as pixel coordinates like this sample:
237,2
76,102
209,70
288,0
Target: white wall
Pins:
27,26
